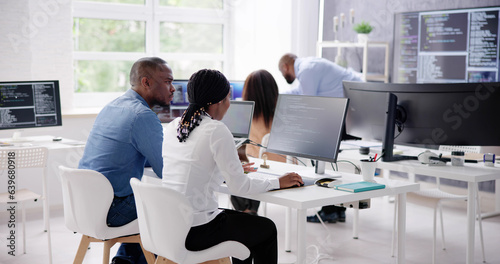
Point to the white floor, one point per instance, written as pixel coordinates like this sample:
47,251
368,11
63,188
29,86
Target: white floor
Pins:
332,245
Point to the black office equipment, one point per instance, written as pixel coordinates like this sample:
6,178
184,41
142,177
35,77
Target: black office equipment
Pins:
427,115
29,104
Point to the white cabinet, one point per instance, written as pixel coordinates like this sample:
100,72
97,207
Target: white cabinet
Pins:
369,45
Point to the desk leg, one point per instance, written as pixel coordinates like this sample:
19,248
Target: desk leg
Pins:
45,201
401,227
355,222
497,202
46,212
288,229
301,235
386,175
471,220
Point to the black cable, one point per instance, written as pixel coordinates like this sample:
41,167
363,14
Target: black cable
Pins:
336,168
401,127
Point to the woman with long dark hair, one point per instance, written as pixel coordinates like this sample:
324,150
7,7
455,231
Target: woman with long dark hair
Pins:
261,88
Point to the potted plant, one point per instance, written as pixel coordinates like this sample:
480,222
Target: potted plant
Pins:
363,29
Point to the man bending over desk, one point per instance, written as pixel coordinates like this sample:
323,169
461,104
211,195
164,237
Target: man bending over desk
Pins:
126,134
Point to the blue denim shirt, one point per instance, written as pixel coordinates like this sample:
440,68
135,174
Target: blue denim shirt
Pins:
126,133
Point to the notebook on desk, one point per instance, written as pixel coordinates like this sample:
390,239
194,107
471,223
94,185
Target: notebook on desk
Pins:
239,120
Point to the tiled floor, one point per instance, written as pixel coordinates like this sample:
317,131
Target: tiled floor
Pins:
331,245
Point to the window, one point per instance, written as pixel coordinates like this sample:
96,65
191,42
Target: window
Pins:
109,35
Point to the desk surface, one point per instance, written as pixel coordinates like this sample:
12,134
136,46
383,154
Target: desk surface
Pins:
43,141
315,196
470,172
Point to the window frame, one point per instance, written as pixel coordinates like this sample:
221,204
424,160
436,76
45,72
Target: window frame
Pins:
153,14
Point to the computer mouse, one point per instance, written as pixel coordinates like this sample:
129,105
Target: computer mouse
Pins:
327,182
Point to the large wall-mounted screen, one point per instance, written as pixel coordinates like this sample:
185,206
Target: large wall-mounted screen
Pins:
460,45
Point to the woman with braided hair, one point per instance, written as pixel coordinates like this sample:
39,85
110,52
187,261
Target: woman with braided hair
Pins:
199,155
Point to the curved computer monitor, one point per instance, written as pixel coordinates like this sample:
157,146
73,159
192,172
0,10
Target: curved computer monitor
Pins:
29,104
308,127
425,114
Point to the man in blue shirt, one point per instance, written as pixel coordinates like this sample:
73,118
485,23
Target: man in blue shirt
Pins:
316,76
127,134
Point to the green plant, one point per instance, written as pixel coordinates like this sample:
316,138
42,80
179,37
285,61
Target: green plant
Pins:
363,28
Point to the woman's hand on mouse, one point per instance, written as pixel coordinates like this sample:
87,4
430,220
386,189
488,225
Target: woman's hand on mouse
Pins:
290,179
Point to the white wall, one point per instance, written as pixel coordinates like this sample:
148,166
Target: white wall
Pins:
265,30
37,43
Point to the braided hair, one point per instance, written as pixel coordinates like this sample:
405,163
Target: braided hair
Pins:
205,87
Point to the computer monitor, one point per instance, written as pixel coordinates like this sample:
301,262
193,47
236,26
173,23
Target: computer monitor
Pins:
457,45
238,118
180,94
308,127
427,115
180,101
236,89
29,104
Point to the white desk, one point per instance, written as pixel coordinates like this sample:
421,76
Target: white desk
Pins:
307,197
66,152
472,173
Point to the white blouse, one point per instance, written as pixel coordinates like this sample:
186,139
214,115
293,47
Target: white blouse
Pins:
198,166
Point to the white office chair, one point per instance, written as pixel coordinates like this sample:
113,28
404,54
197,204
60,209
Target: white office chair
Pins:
442,196
87,196
165,218
11,160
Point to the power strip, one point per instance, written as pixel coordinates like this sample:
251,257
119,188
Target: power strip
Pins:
465,149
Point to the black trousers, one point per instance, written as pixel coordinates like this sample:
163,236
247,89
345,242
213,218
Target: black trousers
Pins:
257,233
241,204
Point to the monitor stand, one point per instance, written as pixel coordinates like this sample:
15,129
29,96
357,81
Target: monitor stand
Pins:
18,138
319,172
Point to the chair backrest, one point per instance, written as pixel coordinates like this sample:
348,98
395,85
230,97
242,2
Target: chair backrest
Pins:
264,141
87,196
165,217
32,157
